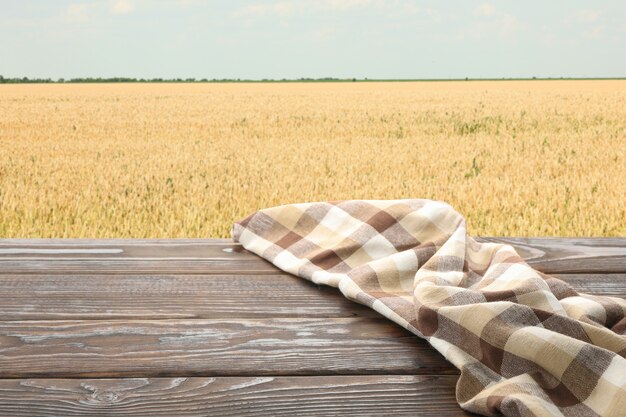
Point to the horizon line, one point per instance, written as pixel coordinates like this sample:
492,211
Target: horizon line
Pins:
96,80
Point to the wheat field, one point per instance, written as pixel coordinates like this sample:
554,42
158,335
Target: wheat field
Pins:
517,158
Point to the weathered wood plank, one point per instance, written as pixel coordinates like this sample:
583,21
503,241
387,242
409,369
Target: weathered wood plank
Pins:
233,396
123,249
150,348
613,285
551,255
570,255
114,256
47,297
137,266
127,257
85,297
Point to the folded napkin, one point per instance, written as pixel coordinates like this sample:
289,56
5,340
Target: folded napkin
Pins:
526,344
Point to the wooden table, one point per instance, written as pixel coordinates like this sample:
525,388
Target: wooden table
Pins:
199,327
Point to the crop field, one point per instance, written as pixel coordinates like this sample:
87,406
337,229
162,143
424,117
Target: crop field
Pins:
517,158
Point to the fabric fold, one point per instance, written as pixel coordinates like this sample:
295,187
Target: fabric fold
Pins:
526,343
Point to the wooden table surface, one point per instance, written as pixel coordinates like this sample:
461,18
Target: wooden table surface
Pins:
200,326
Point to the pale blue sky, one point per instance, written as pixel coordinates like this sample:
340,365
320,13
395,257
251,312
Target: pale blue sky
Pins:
299,38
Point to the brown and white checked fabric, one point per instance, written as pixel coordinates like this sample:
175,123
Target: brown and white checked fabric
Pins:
527,344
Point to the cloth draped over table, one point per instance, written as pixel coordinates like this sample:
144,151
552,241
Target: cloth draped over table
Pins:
526,344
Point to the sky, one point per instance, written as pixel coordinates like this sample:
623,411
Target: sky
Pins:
393,39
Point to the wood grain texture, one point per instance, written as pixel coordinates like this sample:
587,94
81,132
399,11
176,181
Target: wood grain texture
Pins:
238,347
550,255
200,326
233,396
89,297
120,256
45,297
570,255
612,285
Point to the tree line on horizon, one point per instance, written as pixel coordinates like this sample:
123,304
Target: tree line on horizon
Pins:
26,80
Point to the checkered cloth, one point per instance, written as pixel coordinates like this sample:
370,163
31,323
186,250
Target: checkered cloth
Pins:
526,344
